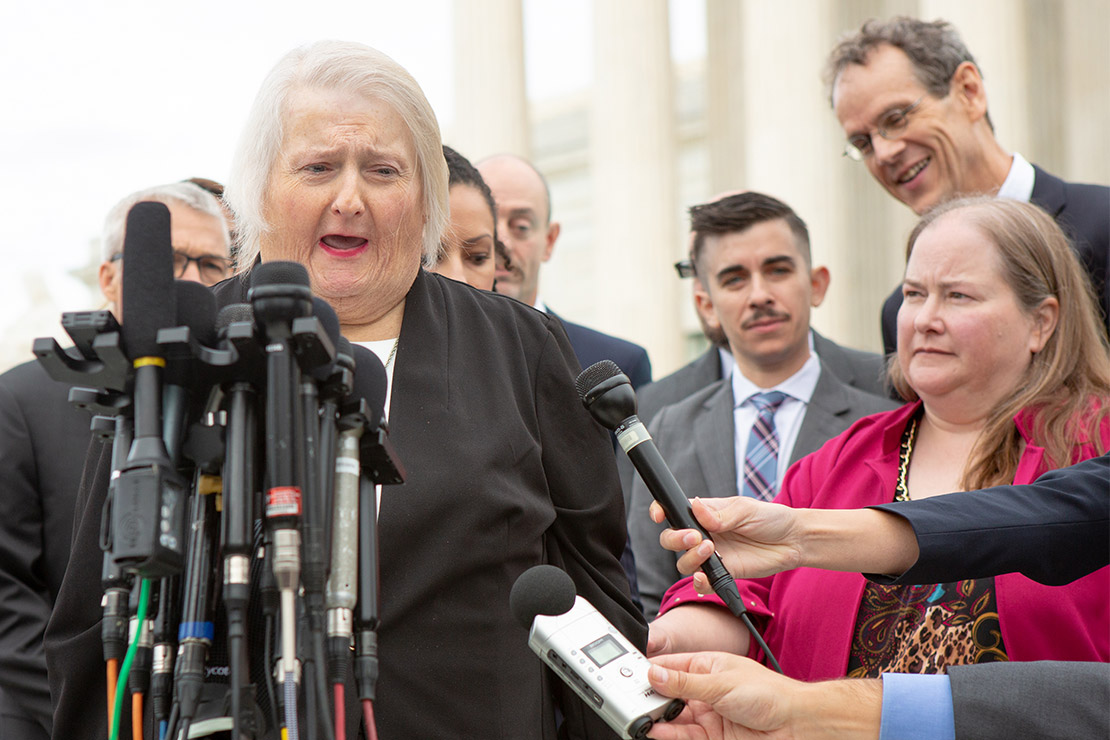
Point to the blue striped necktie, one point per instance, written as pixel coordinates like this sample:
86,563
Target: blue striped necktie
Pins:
761,459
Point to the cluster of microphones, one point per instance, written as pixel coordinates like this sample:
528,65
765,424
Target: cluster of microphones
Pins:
246,447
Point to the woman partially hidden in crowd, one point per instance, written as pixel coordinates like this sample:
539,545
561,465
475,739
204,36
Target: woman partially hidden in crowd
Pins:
340,168
1005,366
471,252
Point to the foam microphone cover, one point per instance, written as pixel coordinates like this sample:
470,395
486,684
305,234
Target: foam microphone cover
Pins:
542,589
279,273
148,302
232,314
370,383
196,309
323,311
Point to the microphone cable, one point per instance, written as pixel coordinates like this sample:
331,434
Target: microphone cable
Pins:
125,668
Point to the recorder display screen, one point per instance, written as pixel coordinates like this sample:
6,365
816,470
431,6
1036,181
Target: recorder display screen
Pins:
604,650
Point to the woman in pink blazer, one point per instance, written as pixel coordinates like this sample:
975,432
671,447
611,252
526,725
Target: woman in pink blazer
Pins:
1007,371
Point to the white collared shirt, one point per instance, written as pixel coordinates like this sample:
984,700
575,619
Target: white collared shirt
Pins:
1018,184
798,388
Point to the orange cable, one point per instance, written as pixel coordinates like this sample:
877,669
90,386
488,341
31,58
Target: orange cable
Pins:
137,716
113,677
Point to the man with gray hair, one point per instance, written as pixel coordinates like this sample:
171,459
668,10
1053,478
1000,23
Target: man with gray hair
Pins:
912,103
43,440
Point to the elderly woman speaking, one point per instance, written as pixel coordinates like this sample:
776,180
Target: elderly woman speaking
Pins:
341,169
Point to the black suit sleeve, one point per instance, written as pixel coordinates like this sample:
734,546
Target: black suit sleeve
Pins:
1042,699
74,651
1054,530
24,592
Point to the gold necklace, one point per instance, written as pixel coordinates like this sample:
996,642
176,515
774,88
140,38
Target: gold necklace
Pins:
392,354
901,490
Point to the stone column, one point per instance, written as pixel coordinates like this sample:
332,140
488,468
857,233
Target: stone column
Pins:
633,155
491,107
793,147
724,95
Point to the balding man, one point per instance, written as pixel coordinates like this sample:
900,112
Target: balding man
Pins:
43,441
524,224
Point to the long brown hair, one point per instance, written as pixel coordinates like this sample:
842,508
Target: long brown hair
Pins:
1067,385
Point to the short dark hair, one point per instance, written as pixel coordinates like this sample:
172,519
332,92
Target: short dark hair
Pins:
740,212
461,172
934,48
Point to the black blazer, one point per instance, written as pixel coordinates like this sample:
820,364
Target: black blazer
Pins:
43,440
1082,211
506,470
1054,530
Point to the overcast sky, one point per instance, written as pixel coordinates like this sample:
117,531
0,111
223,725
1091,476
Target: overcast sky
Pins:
100,99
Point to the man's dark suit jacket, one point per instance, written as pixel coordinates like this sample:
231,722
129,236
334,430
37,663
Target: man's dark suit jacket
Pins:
43,441
592,346
1082,211
1054,530
1054,700
696,437
506,470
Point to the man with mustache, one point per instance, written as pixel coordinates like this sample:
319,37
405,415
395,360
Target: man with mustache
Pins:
737,436
524,224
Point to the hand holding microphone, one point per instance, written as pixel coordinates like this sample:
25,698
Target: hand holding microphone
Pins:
588,653
607,394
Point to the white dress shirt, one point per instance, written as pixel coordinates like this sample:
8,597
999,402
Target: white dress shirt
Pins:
1018,184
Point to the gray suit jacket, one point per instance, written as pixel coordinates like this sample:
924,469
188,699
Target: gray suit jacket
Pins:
1042,699
696,438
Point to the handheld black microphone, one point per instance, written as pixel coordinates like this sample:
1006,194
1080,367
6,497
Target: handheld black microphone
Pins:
279,295
607,394
379,460
362,436
591,656
196,310
314,569
240,482
148,491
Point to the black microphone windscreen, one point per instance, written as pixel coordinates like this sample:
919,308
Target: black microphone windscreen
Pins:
344,355
596,373
323,311
279,273
196,309
542,589
233,314
148,295
370,383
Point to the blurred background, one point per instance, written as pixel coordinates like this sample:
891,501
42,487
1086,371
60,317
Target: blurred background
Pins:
634,109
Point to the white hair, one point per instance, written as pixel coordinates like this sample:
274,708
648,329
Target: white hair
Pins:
332,66
185,193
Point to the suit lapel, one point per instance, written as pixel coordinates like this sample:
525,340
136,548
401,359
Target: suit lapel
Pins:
714,438
822,418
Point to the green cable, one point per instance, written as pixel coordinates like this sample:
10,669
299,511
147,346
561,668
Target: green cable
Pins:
121,682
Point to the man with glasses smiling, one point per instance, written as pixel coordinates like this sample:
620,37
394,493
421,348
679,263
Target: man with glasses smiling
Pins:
43,440
912,103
